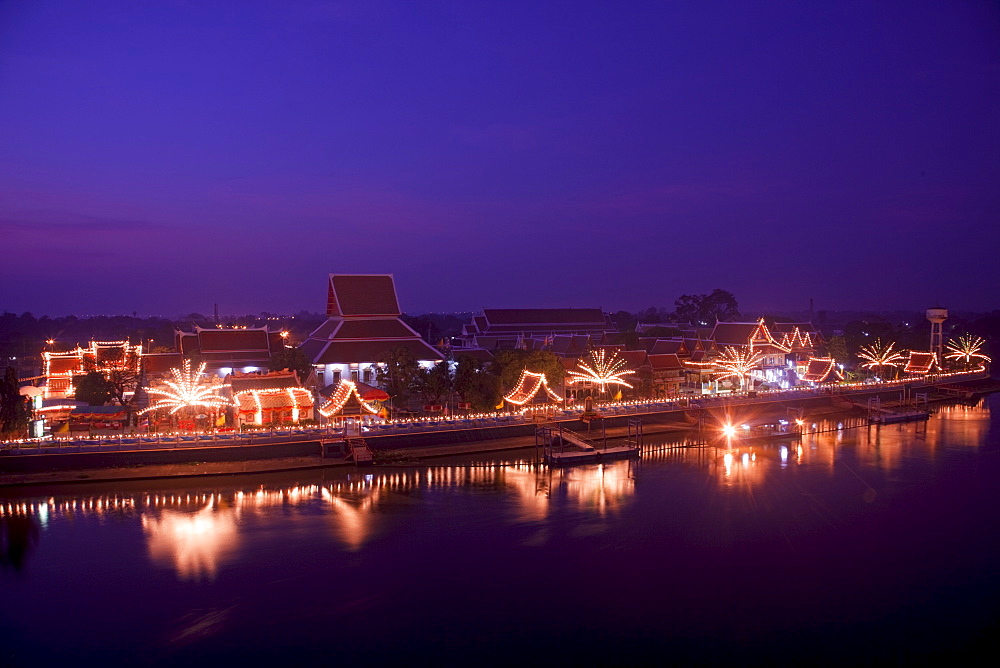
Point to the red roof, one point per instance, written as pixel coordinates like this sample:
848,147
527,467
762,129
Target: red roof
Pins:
233,340
161,363
665,362
821,370
374,329
346,352
362,294
275,380
920,362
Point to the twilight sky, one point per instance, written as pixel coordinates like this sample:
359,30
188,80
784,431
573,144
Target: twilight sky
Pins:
161,157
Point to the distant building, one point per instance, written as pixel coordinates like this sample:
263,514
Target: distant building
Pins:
557,328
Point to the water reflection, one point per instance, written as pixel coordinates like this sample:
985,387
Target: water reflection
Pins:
196,534
193,543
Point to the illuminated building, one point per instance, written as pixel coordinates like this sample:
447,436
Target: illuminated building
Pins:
565,331
62,368
270,398
363,323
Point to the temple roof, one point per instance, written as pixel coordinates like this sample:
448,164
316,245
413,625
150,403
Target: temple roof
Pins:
348,352
920,362
664,362
362,295
821,370
275,380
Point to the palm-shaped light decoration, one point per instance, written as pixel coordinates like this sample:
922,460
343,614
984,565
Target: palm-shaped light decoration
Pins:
738,363
187,388
602,370
879,356
966,348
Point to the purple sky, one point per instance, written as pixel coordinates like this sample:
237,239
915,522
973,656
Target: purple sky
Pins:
161,157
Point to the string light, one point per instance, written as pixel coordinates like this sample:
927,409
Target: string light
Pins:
880,356
528,385
738,362
603,370
819,369
345,390
966,348
188,388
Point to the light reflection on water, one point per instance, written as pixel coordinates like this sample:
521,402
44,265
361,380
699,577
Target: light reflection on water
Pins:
680,498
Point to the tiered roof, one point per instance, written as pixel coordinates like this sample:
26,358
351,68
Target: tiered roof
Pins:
497,328
363,323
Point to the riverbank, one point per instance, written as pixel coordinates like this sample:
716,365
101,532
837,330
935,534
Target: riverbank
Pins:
70,468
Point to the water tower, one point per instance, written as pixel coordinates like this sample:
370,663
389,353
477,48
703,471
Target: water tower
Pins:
937,315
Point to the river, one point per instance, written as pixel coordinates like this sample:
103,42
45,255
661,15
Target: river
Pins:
861,545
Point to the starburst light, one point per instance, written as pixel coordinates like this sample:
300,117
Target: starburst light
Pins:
738,363
603,370
879,356
966,348
187,388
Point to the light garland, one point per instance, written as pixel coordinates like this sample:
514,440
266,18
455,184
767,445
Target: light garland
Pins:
826,366
738,362
528,385
880,356
345,390
603,370
920,363
188,388
966,348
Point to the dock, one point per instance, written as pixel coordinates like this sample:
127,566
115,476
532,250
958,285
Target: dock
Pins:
565,447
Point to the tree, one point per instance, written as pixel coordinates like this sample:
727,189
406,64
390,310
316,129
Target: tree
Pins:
292,359
14,411
836,347
435,384
706,309
397,373
122,376
476,384
93,389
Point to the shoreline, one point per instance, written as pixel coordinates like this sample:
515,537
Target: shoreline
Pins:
665,423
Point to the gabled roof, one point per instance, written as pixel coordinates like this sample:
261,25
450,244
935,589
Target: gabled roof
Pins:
734,333
234,340
251,401
362,294
347,352
532,388
345,401
633,358
665,362
821,370
161,363
275,380
669,346
371,328
920,362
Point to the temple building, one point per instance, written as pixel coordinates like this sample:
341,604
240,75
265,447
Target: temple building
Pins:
497,329
363,324
270,398
230,349
62,368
